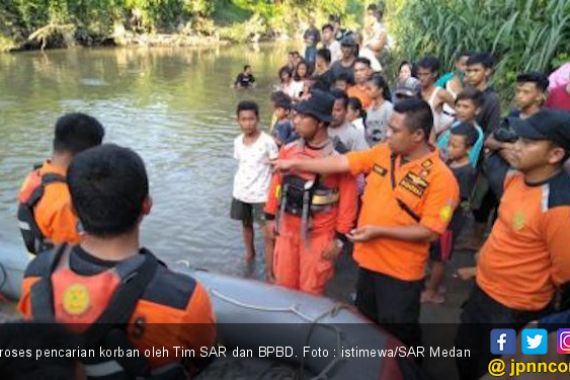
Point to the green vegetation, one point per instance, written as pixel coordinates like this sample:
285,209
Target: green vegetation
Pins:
522,34
56,22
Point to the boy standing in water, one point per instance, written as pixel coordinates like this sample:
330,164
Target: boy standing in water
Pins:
253,149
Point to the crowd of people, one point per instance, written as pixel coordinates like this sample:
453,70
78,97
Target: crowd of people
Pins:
389,174
399,171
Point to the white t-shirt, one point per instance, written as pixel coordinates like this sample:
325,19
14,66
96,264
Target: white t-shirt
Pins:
251,182
336,52
349,135
359,124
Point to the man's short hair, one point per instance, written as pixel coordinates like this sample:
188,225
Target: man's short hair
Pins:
472,94
247,105
363,60
327,26
325,54
281,100
484,59
431,63
246,67
340,95
75,132
468,131
344,77
418,115
539,79
108,186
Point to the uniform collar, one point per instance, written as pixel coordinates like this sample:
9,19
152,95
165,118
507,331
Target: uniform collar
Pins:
49,167
430,157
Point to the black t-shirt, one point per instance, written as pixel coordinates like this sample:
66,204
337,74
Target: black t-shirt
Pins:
489,117
338,69
244,80
465,176
325,80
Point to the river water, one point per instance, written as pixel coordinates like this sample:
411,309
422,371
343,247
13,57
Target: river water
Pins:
173,106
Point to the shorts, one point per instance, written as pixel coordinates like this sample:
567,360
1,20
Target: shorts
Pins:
248,212
441,249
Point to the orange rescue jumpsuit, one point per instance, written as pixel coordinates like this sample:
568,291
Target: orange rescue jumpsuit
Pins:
298,262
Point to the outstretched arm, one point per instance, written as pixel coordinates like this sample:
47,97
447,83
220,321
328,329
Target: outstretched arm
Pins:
327,165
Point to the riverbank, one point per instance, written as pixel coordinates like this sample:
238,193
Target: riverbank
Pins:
36,24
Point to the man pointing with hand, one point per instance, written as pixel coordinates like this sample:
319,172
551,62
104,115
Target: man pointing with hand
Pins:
409,198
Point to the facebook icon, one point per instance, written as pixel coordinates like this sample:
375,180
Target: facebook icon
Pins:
503,341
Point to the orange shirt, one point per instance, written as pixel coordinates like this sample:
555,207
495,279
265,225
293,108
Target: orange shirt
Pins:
53,212
425,185
341,218
361,94
175,308
527,254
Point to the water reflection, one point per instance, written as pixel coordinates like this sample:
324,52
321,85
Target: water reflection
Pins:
172,105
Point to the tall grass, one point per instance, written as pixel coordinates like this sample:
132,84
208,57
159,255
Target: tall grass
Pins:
523,35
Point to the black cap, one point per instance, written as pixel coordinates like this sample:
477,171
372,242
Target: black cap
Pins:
319,105
546,124
348,41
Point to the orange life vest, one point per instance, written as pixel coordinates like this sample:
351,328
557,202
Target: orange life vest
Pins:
30,194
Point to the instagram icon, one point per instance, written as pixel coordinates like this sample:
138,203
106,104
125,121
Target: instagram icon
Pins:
563,346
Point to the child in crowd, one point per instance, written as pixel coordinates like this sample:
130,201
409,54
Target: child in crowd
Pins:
253,149
379,111
245,79
283,131
356,114
461,141
467,106
343,82
286,78
302,73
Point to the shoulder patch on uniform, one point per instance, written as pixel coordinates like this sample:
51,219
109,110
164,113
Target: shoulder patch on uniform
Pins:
40,265
380,170
427,164
559,190
170,288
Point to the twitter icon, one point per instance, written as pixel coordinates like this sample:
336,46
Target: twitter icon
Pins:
534,341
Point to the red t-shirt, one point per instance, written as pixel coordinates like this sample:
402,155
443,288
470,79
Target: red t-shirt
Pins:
559,98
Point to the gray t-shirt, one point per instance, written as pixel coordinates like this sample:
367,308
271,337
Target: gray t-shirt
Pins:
377,122
350,137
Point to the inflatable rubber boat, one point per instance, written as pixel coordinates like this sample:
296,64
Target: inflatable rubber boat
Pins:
319,337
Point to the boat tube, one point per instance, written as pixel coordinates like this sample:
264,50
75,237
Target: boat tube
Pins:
323,338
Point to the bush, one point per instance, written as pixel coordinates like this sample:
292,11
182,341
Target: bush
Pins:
523,35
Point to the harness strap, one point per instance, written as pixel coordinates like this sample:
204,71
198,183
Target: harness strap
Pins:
401,203
110,327
42,291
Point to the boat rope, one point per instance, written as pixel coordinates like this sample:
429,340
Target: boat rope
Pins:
291,309
332,311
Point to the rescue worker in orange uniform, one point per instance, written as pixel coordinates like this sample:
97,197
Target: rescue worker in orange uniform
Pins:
311,214
408,201
523,272
44,206
110,290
